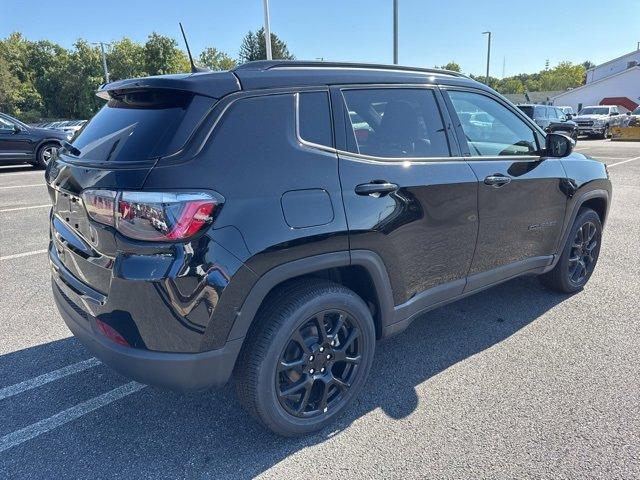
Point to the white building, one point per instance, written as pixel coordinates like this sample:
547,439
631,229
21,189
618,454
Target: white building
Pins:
616,82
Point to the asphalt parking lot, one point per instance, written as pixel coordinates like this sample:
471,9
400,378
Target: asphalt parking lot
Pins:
514,382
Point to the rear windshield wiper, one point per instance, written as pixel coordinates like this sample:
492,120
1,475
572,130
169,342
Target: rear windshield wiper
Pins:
71,149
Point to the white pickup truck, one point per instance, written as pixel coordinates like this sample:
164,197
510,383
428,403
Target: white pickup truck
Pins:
598,120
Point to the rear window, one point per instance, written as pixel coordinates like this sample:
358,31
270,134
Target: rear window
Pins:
528,110
141,125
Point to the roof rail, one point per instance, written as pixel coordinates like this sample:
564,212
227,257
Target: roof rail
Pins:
276,64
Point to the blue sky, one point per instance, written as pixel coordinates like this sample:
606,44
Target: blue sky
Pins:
432,32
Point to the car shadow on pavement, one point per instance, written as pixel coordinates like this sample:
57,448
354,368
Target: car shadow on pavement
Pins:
153,433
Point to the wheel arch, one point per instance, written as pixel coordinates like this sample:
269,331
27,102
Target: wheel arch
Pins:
597,199
361,270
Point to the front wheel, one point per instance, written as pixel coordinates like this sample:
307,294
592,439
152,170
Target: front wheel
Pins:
579,256
307,358
607,132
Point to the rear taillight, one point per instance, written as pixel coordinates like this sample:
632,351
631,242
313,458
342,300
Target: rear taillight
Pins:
153,216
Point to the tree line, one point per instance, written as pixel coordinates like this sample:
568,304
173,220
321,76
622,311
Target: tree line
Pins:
41,79
563,76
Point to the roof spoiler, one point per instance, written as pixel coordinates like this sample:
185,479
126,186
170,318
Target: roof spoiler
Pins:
209,84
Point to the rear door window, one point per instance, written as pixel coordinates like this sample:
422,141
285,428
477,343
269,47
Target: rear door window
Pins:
141,125
396,122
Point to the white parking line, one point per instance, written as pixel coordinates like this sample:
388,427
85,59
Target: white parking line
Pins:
43,426
2,174
24,254
24,186
24,208
620,163
47,377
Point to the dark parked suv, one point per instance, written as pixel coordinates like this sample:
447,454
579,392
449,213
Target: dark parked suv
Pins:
551,119
272,222
20,143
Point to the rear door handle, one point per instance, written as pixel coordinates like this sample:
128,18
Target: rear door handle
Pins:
497,180
376,188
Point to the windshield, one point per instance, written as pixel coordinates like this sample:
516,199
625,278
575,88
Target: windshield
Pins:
636,111
141,125
594,111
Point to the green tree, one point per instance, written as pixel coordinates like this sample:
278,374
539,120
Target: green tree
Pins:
563,76
162,56
453,66
214,59
254,47
126,59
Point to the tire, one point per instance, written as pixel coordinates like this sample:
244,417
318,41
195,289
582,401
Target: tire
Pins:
571,275
321,387
45,153
607,132
574,136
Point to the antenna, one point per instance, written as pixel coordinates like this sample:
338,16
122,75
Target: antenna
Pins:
194,68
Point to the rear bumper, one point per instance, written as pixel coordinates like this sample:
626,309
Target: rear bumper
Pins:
174,371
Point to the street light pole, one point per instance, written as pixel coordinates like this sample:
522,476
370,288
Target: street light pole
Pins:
488,55
104,63
395,32
104,60
267,31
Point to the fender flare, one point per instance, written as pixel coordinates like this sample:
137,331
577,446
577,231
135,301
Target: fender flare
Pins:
580,200
369,260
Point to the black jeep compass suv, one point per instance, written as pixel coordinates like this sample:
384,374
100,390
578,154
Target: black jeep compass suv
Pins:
272,222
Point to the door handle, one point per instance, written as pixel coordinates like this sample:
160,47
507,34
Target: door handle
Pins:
376,188
497,180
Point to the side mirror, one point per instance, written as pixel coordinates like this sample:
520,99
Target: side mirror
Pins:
16,128
569,116
558,145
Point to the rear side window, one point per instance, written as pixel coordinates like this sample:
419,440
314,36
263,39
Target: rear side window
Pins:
540,113
314,117
141,125
396,123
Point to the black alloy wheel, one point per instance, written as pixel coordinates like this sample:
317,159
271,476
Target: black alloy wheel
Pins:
579,256
307,356
318,364
582,260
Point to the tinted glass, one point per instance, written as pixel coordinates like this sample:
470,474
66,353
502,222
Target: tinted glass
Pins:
315,118
141,125
528,110
505,134
396,122
551,113
540,112
6,124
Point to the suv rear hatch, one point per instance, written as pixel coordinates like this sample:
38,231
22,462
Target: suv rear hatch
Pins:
144,120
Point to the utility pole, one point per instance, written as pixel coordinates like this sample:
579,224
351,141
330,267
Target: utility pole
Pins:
488,55
504,65
267,30
104,60
395,32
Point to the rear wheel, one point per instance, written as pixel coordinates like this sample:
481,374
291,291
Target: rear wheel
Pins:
579,256
308,357
45,153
